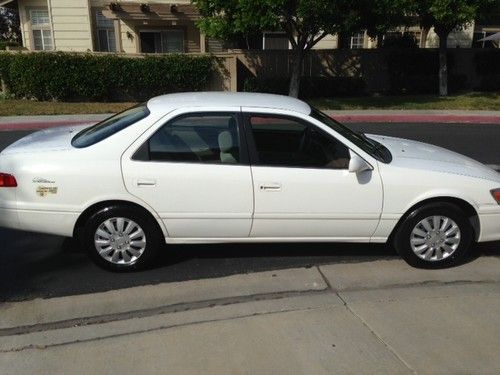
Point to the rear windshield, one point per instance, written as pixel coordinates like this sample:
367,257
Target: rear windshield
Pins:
110,126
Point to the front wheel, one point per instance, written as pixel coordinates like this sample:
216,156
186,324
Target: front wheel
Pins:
122,239
434,236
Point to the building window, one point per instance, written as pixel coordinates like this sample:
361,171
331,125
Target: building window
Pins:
40,26
358,40
275,40
106,36
478,35
165,41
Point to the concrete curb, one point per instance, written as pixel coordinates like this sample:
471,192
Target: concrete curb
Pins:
137,299
374,317
197,294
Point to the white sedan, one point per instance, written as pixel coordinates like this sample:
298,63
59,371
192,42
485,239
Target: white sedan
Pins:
223,167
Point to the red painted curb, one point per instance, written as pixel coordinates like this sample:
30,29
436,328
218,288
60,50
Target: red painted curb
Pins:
472,119
466,119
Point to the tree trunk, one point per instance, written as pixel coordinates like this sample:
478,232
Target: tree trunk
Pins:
5,88
443,64
296,73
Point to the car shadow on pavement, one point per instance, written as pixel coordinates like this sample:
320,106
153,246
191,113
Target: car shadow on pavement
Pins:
36,265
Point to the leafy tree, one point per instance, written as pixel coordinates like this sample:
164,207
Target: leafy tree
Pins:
305,22
446,16
9,25
380,16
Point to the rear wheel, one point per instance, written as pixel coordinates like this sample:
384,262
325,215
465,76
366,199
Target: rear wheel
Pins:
122,238
437,235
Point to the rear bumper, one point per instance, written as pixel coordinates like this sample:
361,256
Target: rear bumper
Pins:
489,221
9,218
50,222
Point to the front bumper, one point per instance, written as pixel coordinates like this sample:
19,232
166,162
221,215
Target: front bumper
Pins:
489,221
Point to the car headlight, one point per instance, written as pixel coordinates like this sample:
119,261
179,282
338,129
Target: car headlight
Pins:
496,195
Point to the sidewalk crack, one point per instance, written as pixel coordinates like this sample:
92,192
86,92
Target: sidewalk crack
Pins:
357,316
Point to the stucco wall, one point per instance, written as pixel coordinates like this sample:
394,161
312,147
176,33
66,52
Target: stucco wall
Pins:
71,25
102,3
458,38
24,6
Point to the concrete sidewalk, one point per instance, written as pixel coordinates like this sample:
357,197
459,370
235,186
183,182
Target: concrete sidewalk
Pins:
10,123
378,317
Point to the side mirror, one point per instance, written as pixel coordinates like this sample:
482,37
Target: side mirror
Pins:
357,164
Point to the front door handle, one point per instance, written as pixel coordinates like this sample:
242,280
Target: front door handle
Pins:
145,182
270,187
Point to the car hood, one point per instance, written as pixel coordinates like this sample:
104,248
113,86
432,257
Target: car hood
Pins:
53,139
433,158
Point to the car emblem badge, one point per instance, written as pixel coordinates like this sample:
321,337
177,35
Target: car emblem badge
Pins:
43,191
40,180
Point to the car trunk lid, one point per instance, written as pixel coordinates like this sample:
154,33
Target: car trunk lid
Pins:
53,139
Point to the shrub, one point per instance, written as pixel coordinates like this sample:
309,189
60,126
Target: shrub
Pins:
71,76
399,41
6,43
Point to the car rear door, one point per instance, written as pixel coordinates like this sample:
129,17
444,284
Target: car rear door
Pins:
303,188
194,171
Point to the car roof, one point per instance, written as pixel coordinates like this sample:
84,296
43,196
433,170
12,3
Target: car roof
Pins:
169,102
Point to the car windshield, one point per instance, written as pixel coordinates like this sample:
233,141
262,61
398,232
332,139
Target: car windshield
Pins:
110,126
370,146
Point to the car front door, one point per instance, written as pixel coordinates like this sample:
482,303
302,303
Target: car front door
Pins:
194,172
303,187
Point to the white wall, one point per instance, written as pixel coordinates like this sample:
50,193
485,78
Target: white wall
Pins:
71,25
459,38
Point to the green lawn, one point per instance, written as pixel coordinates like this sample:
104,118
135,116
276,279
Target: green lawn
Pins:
473,101
30,107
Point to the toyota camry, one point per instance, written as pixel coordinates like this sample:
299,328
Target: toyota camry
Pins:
243,167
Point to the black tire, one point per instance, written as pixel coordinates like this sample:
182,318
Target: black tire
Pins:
153,235
403,235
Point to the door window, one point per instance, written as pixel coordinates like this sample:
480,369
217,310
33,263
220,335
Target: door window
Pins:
206,138
283,141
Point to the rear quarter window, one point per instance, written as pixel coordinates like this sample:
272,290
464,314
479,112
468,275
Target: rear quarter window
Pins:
110,126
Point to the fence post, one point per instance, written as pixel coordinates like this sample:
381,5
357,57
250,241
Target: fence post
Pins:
233,73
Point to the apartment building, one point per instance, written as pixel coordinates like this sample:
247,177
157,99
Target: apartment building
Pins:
122,26
162,26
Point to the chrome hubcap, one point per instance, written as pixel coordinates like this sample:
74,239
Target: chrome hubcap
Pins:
435,238
120,241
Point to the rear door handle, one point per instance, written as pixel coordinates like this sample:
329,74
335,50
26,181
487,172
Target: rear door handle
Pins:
270,187
145,182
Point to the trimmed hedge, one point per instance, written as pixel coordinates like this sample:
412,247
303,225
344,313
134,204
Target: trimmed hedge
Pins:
71,76
5,43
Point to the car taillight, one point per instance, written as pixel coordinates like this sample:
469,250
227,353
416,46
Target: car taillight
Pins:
7,180
496,195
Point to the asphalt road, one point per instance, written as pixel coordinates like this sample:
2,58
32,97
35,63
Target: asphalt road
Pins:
34,265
